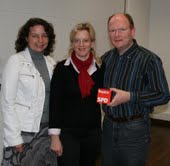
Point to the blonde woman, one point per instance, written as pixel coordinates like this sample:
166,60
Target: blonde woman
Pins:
75,117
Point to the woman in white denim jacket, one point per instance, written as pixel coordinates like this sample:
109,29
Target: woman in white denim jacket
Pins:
24,96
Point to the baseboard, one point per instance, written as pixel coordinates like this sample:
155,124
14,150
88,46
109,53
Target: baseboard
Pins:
164,123
164,115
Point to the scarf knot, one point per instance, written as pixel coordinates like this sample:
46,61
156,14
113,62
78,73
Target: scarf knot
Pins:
84,79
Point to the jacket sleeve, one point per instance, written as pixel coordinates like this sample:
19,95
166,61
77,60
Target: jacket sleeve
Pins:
11,127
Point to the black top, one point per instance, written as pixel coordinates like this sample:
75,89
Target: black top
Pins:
67,108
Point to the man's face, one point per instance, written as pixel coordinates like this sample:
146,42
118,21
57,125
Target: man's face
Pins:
120,33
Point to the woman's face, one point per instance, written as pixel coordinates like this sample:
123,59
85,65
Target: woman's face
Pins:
82,44
37,38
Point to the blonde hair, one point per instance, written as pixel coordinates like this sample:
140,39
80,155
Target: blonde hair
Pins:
89,28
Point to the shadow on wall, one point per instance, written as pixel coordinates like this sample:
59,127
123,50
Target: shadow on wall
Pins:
1,136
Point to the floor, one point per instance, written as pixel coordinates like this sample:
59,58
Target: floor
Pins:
160,144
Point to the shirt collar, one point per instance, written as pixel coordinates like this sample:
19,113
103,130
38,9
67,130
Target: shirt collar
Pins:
90,70
129,52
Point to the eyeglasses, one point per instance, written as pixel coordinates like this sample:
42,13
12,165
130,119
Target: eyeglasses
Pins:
120,30
81,41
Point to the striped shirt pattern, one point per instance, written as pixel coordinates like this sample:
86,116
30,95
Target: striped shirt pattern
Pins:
140,72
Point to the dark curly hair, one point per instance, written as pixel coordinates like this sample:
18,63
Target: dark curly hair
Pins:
21,42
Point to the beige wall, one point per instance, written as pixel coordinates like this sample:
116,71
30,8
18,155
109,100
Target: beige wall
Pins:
140,11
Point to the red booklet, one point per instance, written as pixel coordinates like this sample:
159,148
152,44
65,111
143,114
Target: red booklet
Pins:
104,96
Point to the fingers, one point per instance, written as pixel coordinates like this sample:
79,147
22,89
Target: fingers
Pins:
59,152
114,89
120,97
56,145
19,148
115,102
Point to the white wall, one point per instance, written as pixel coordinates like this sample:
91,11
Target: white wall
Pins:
159,42
63,14
140,11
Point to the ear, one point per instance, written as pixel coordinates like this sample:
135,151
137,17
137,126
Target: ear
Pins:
26,39
133,31
92,44
72,45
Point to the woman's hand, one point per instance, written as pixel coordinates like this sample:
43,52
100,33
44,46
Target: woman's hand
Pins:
19,148
56,145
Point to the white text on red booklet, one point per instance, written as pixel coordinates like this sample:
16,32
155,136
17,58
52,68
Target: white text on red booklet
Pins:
104,96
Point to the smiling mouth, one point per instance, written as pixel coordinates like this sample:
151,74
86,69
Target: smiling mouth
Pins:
40,46
82,49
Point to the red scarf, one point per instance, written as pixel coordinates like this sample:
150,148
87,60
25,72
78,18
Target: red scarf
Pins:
84,79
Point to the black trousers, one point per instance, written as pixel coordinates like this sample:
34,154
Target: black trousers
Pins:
80,147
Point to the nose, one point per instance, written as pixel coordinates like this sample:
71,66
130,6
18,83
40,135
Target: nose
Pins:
117,32
40,38
81,43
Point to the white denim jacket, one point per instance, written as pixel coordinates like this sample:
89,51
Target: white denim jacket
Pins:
22,96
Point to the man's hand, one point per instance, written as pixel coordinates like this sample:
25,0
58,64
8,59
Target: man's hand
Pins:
120,97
